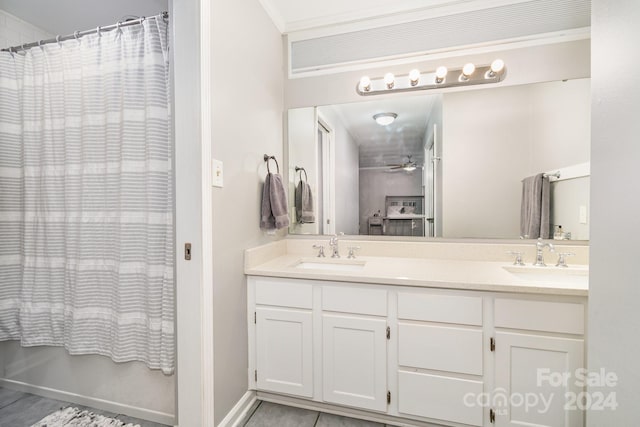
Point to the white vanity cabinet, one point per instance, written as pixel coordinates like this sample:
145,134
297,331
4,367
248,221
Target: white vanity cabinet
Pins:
354,347
440,356
417,355
283,322
536,344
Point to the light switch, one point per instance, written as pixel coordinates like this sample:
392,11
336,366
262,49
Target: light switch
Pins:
216,173
583,215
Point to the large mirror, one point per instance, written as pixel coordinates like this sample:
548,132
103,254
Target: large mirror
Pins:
449,165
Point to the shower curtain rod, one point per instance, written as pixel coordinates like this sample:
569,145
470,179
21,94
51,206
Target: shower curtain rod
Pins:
78,34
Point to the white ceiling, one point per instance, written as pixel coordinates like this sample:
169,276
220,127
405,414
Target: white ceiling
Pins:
392,144
66,16
301,14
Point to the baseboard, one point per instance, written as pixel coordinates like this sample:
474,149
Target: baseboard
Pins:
105,405
239,412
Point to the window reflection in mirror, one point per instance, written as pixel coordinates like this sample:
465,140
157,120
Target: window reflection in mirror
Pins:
450,165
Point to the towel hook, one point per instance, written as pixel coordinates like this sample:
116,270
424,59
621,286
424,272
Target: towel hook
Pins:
298,169
267,158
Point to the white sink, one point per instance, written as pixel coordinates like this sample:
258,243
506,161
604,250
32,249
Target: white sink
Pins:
550,274
330,264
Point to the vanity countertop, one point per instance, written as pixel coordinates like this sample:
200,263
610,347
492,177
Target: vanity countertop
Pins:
465,274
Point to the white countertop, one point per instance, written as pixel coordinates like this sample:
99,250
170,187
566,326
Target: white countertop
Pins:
492,276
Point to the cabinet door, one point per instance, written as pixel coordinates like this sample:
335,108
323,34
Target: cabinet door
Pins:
284,354
354,356
528,385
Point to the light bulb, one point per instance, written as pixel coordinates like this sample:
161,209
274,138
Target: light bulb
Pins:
414,76
365,83
497,65
389,80
441,73
468,69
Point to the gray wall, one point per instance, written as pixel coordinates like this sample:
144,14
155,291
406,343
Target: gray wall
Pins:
247,90
494,138
346,174
614,317
302,137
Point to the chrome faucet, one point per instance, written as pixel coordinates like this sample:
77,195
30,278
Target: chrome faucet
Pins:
333,243
540,245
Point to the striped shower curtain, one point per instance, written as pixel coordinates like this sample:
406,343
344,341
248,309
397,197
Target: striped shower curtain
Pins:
86,225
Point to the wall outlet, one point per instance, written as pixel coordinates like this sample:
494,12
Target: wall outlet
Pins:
216,173
583,215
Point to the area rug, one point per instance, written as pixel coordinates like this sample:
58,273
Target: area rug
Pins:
74,417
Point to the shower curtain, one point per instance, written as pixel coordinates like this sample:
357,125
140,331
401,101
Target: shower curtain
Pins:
86,203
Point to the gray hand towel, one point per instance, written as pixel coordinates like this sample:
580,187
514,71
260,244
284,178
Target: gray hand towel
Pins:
274,211
304,203
535,210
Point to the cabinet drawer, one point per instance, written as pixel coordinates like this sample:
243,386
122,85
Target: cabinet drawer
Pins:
440,348
560,317
354,300
440,398
284,293
459,309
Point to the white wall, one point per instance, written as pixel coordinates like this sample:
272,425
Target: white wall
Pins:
14,31
494,138
247,90
345,172
186,76
566,198
561,131
95,381
614,287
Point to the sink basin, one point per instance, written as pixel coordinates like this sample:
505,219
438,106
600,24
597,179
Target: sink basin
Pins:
330,264
564,271
550,274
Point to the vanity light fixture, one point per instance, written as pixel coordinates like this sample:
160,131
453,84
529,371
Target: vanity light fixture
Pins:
384,119
442,77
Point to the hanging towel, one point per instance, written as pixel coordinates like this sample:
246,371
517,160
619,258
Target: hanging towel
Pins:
274,212
535,211
304,203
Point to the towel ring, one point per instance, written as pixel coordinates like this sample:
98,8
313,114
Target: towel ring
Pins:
267,158
306,179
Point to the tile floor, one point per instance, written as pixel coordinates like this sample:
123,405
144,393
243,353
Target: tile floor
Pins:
267,414
19,409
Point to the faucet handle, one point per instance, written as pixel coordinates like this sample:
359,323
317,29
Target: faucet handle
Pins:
320,250
518,260
561,259
352,250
